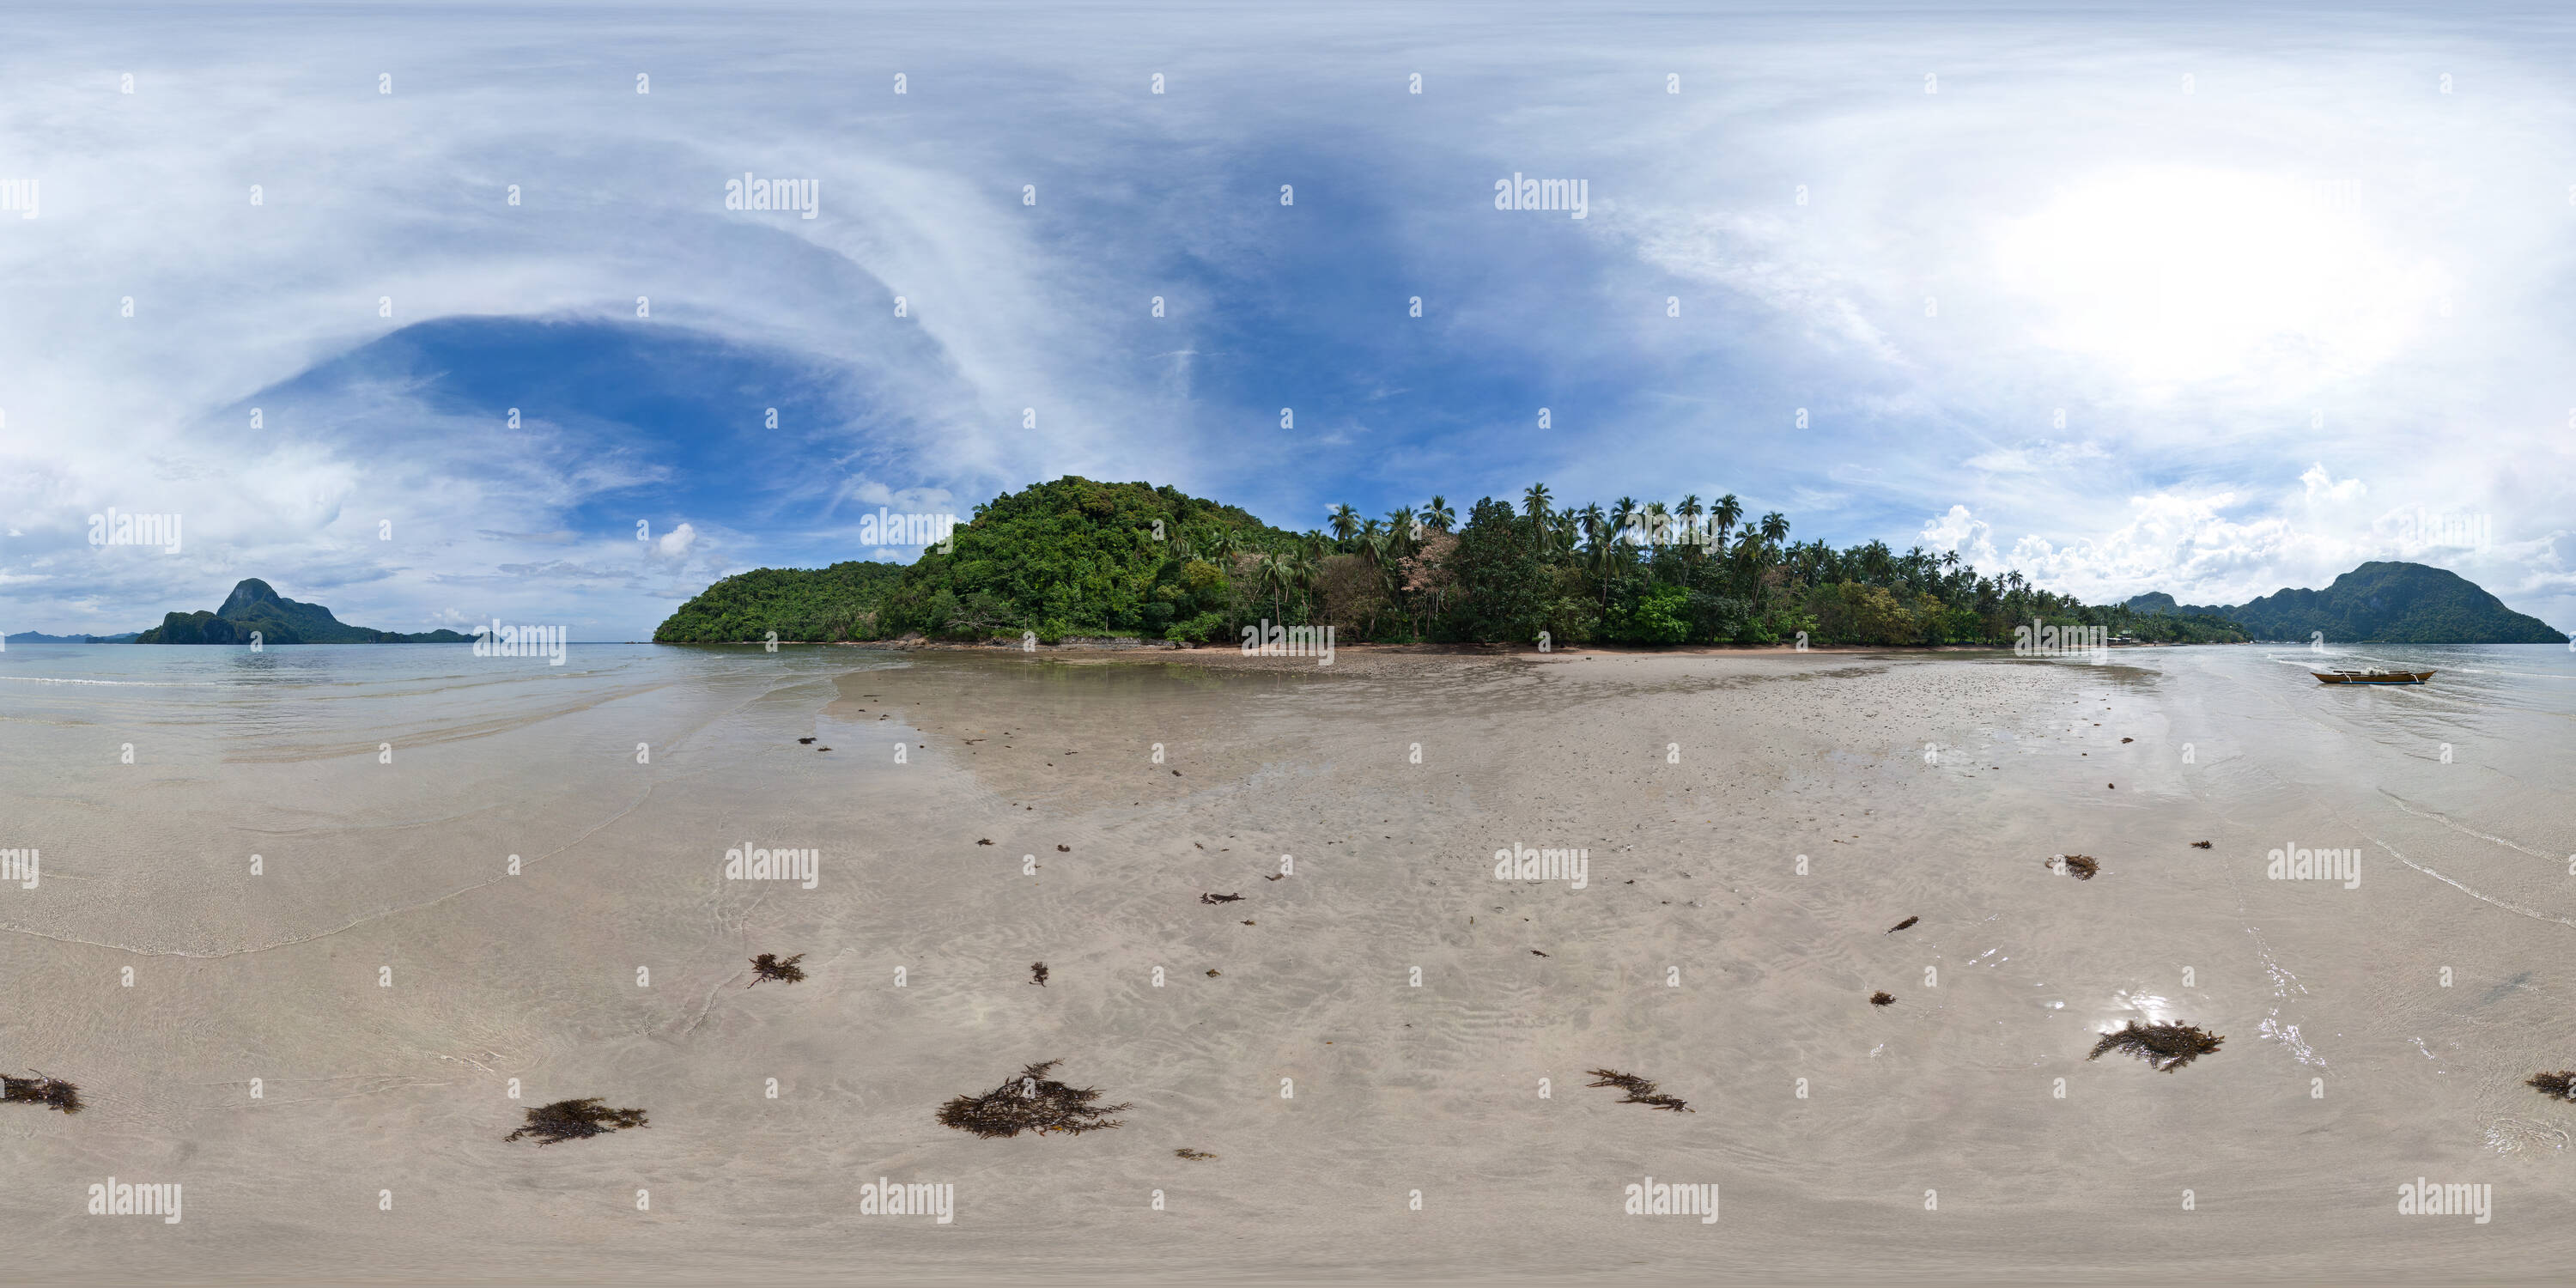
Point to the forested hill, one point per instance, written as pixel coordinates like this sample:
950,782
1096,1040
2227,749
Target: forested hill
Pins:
1075,557
2380,603
835,603
1070,557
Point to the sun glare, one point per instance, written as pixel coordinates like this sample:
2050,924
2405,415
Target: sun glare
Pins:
2179,277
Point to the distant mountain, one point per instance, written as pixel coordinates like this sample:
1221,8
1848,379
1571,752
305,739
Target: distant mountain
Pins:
39,637
2377,603
255,607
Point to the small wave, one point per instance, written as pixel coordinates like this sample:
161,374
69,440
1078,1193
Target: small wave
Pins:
2508,907
121,684
2446,822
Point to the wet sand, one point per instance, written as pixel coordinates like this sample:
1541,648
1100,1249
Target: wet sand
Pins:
1697,955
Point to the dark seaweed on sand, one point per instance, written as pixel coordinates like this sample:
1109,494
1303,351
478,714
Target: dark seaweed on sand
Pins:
1032,1101
1220,898
769,966
2558,1086
53,1093
2080,866
576,1120
1903,924
1195,1156
2165,1047
1038,974
1882,999
1641,1091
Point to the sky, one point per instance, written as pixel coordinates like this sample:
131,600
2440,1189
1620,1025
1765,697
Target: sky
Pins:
438,315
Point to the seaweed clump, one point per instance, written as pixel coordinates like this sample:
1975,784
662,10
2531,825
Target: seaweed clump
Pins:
2557,1086
1195,1156
771,966
2080,866
1038,973
1882,999
576,1120
2165,1047
1032,1101
1641,1091
52,1093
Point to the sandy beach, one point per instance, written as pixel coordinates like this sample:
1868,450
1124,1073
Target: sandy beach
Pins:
1750,826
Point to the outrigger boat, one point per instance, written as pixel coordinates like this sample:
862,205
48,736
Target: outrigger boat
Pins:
2373,677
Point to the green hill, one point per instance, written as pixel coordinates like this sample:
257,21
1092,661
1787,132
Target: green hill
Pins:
254,607
835,603
1070,557
2379,603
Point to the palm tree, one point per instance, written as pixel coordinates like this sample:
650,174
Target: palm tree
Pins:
1306,572
1438,515
1346,522
1724,514
1271,575
1400,520
1689,510
1603,558
1775,527
1534,500
1621,511
1561,532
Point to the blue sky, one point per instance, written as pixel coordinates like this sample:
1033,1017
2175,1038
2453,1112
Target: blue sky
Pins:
2214,301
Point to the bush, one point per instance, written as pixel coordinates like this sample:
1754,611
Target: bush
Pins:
1659,616
1198,630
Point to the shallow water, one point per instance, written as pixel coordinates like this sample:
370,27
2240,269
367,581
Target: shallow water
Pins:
384,976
